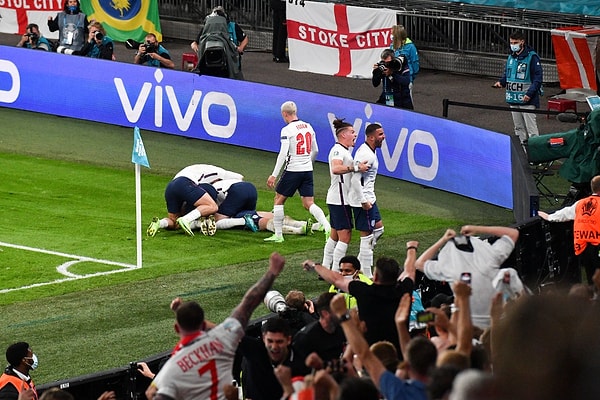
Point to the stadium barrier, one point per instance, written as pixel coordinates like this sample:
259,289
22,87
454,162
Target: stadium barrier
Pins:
419,148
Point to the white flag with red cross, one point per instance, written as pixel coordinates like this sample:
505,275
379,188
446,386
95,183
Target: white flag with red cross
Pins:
16,15
335,39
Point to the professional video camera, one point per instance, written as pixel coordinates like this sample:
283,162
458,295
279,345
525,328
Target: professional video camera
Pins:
578,148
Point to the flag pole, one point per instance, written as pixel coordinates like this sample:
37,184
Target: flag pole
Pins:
138,214
138,157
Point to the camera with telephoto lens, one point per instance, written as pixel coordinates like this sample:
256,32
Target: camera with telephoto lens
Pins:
381,65
98,35
395,64
150,47
275,302
32,36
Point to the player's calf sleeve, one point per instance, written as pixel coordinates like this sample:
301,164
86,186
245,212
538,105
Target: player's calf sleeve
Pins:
377,233
338,253
278,216
365,255
228,223
328,252
192,215
319,215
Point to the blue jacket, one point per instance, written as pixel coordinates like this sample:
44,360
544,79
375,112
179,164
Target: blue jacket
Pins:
397,83
523,75
409,50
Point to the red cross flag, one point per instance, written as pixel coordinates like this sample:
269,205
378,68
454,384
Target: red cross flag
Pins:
17,14
335,39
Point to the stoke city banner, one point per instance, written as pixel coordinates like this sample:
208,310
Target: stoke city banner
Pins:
335,39
17,14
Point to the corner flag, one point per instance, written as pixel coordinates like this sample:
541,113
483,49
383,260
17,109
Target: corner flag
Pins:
139,152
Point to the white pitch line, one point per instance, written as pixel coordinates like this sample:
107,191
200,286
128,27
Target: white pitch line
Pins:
63,267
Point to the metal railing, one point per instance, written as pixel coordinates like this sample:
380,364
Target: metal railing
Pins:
252,14
443,31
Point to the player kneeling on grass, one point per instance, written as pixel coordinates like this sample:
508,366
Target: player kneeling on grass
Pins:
237,201
186,203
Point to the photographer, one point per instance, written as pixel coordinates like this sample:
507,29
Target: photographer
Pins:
98,45
71,25
153,54
34,40
395,75
295,308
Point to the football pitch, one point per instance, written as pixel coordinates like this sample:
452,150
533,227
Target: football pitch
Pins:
70,285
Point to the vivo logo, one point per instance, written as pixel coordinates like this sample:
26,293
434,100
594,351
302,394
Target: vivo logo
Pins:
391,152
11,94
133,106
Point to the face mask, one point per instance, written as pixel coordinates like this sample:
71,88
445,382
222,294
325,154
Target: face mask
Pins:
515,48
72,9
34,363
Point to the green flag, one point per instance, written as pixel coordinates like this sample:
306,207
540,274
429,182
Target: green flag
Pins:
125,19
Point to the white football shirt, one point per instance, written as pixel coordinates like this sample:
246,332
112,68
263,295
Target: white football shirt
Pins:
201,369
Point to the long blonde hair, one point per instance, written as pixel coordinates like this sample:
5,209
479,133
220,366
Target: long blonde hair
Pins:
400,36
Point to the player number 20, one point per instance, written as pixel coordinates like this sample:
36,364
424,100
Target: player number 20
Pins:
303,143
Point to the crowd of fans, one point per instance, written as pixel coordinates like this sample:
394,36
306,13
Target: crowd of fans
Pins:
534,346
490,338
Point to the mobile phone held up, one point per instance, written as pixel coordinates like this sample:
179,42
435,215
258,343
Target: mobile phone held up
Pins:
424,317
465,277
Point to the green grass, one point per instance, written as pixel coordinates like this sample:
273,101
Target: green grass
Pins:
68,186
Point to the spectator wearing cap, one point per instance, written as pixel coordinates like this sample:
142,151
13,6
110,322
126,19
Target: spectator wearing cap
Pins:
15,381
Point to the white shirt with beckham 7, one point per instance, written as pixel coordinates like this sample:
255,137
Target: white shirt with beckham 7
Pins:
200,369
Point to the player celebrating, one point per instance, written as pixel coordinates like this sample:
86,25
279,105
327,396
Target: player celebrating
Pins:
183,192
367,219
341,166
298,151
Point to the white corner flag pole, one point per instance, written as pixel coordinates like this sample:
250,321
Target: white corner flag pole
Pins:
138,157
138,215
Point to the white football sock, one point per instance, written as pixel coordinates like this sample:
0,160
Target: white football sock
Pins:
328,252
192,215
228,223
278,217
377,233
316,211
365,255
338,253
